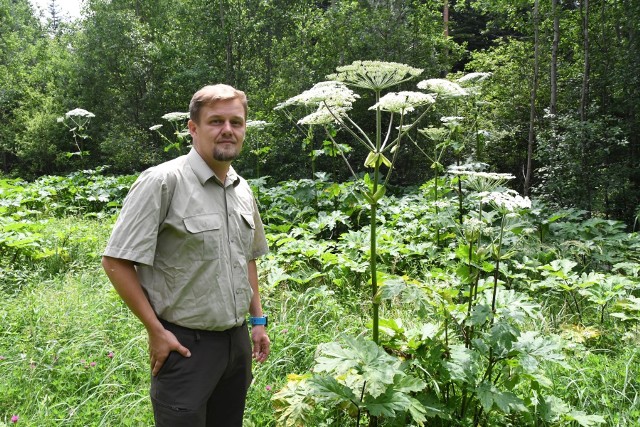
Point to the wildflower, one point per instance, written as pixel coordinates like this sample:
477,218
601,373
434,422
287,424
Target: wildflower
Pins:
155,127
14,419
110,355
451,119
79,112
374,75
257,124
402,102
268,388
329,93
323,115
443,87
92,364
175,116
2,358
474,77
507,201
481,181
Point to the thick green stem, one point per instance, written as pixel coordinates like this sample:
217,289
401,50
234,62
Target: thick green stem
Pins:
374,207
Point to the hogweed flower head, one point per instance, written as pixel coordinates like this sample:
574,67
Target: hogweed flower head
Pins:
331,93
506,201
481,181
474,78
452,119
155,127
175,116
443,87
434,134
257,124
324,115
374,75
79,112
402,102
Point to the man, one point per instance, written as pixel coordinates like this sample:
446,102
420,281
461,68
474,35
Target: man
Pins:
182,256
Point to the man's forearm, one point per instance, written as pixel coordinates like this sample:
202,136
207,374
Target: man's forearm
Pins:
124,279
255,308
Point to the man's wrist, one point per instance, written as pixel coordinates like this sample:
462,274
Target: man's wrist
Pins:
259,321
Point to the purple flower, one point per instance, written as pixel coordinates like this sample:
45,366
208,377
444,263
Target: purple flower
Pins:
110,355
268,388
14,419
92,364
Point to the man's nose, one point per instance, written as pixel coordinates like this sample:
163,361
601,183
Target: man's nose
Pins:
226,127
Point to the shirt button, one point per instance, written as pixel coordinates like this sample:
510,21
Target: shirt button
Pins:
238,291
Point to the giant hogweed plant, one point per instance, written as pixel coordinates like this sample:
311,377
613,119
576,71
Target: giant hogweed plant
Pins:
476,347
387,393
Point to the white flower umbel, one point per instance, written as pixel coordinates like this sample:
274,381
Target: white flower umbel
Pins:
474,78
324,116
481,181
506,201
374,75
402,102
155,127
443,87
175,116
331,93
79,112
257,124
452,119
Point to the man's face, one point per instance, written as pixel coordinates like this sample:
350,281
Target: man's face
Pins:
219,133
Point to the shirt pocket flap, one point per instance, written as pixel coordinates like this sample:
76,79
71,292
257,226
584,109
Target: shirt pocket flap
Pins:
248,219
204,222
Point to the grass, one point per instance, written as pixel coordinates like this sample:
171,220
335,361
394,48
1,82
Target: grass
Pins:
72,354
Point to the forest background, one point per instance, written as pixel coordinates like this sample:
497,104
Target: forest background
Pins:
560,111
486,308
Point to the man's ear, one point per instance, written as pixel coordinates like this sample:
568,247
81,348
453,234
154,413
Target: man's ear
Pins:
192,127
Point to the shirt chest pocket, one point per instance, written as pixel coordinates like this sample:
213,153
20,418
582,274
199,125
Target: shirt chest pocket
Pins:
204,235
247,230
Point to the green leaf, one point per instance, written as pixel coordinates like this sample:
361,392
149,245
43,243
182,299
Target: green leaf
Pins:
585,420
507,402
359,357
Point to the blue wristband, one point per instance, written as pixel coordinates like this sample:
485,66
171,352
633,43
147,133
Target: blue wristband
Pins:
259,321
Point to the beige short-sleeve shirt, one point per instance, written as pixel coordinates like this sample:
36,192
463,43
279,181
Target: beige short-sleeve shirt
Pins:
191,237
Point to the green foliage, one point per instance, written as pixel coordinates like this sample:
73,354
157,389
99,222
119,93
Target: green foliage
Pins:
451,353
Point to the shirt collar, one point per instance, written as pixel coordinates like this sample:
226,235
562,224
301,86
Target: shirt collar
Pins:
204,173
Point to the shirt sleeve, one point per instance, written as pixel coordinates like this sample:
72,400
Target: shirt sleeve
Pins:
135,234
260,245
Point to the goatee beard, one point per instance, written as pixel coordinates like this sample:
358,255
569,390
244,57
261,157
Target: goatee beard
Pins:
224,155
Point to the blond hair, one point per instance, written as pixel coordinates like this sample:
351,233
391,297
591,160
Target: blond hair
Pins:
211,94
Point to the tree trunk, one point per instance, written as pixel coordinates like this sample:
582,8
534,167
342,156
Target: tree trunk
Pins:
584,104
532,102
553,102
445,17
228,67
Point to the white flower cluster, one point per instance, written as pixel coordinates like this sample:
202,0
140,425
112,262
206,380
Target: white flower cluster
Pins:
474,77
454,170
155,127
508,200
175,116
331,93
324,115
79,112
374,75
451,119
443,87
257,124
402,102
